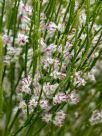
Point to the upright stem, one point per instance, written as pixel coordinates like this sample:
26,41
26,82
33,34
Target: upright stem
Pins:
1,70
2,14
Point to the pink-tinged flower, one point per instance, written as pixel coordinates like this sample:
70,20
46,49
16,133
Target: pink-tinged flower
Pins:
59,118
26,81
28,10
21,39
78,79
73,98
47,62
44,104
52,27
60,98
33,103
8,39
51,48
49,89
24,19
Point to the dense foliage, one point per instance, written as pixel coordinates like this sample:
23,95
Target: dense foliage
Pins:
50,68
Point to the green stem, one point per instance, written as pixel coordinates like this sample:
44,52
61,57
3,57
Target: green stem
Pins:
1,71
2,14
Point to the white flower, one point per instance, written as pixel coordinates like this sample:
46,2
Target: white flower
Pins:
61,27
47,117
95,39
82,17
60,98
68,46
51,48
28,10
22,105
96,117
60,48
25,19
59,118
76,5
78,79
25,85
67,55
43,44
25,28
7,60
33,103
11,51
8,39
96,27
49,89
83,36
21,39
25,89
44,104
42,16
55,74
51,27
73,98
26,81
91,76
21,8
47,62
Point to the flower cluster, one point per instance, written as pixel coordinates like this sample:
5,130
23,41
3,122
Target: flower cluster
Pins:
57,119
50,51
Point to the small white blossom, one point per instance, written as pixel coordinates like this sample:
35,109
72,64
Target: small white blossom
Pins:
21,39
25,89
51,48
26,81
7,60
22,105
59,75
28,10
47,117
8,39
78,79
82,17
96,117
51,27
61,27
44,104
49,89
59,118
83,36
73,98
32,104
60,98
